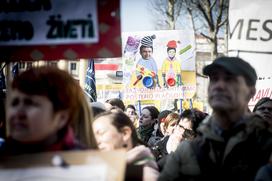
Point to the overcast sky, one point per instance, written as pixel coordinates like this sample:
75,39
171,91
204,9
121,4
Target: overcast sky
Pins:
135,16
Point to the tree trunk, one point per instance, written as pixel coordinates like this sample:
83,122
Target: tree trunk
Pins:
213,45
226,38
193,22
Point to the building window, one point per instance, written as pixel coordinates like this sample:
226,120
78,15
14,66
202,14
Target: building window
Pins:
74,68
28,65
21,65
53,64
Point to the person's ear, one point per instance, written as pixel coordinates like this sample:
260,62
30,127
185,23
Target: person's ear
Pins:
62,118
252,91
126,133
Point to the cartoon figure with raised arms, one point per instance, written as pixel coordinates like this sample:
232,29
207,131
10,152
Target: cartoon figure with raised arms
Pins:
171,68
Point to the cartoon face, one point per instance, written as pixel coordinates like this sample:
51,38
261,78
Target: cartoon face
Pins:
171,53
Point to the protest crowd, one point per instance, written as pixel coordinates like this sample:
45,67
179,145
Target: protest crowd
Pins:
45,111
232,143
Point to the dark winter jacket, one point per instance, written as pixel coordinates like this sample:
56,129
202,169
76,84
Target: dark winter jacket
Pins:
236,155
159,149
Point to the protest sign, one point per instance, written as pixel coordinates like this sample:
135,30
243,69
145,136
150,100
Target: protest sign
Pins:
169,73
251,39
72,165
52,30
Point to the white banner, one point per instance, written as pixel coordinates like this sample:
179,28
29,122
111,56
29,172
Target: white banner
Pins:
48,22
163,75
250,37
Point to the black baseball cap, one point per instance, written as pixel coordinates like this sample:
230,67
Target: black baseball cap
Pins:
235,66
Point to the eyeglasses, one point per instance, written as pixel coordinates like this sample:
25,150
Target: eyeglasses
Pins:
186,131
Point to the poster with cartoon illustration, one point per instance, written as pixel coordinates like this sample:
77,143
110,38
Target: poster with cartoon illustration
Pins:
159,65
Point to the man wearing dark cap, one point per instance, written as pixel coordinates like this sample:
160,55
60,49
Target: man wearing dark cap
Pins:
232,144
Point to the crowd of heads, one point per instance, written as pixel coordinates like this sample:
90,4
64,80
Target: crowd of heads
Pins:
46,110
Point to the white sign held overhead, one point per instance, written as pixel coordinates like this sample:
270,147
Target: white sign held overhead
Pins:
250,37
48,22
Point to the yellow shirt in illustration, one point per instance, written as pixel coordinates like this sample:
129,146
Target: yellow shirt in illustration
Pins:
171,68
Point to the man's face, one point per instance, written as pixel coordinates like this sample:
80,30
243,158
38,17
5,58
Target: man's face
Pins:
146,53
228,92
265,111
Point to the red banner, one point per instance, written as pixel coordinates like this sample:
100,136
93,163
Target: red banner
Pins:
109,44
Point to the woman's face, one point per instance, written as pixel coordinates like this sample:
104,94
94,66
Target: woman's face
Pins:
145,118
171,127
131,113
106,135
31,118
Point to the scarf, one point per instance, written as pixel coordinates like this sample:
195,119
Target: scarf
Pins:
145,132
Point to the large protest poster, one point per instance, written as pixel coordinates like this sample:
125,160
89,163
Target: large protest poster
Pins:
169,73
52,30
251,39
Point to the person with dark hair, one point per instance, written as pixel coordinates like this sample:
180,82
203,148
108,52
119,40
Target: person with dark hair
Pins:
264,108
231,144
116,102
132,114
184,129
148,130
114,130
130,110
97,108
42,105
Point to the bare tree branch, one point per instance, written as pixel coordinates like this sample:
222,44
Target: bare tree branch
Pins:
206,36
219,18
222,22
205,14
213,4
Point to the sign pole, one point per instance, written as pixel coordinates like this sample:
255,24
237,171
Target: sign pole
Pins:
139,107
180,104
